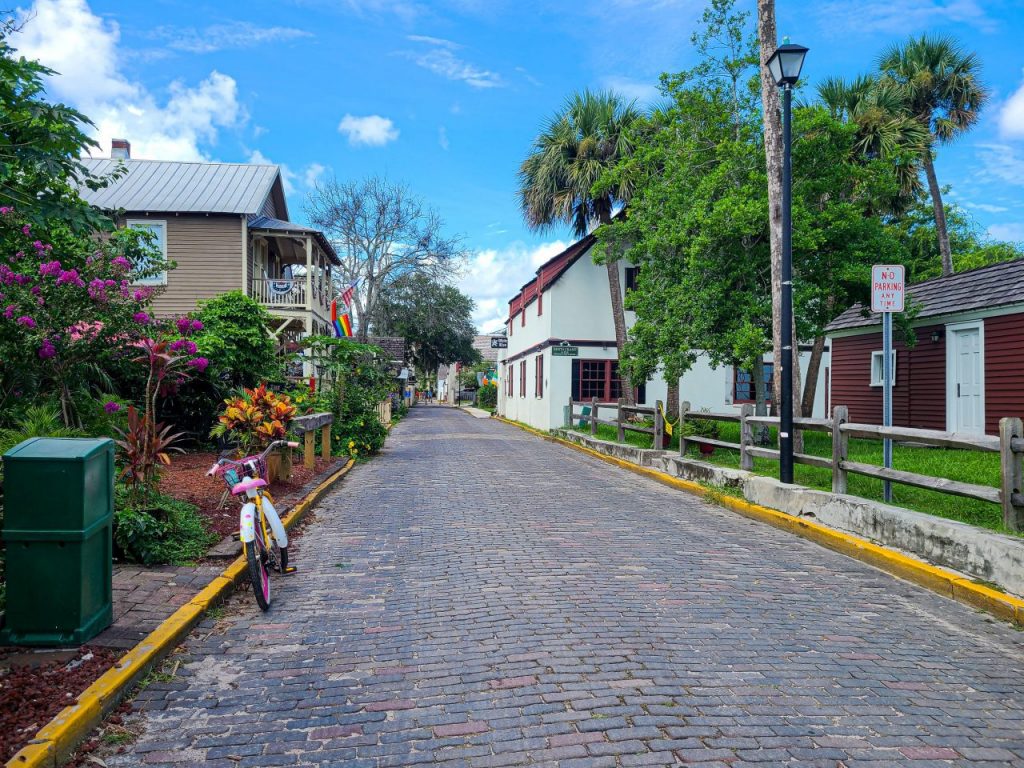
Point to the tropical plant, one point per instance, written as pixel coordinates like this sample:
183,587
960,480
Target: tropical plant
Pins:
233,335
255,418
587,137
940,86
144,446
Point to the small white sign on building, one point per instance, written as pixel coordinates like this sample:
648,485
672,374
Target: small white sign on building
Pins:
888,288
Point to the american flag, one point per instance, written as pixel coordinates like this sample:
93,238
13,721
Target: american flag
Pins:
347,294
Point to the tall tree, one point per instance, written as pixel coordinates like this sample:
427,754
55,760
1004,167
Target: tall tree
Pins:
589,135
381,233
941,88
434,318
767,36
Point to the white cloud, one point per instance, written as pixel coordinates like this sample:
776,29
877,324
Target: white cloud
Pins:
494,276
644,93
291,180
312,174
1013,233
442,138
1000,163
441,60
371,130
66,36
987,207
218,37
1011,116
886,16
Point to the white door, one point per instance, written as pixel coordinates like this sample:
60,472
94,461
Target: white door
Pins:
968,381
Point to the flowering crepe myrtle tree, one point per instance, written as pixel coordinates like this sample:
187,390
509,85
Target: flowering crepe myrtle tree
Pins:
70,307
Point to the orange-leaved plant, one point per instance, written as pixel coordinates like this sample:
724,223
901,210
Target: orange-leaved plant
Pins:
255,418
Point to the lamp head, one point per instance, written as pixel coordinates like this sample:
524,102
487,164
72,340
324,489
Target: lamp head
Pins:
785,64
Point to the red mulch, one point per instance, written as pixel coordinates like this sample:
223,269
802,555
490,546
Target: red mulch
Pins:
186,479
33,691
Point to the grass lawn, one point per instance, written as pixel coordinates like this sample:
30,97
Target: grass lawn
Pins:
966,466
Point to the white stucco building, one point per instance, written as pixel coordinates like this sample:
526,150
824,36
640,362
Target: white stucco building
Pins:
561,343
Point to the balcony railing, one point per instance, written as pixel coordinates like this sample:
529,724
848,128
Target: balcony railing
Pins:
280,293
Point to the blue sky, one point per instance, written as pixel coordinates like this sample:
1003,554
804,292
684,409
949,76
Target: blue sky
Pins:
446,95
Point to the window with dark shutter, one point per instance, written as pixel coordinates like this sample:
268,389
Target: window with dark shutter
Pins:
539,376
522,379
631,275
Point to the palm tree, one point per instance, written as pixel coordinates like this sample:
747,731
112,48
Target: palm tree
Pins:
589,135
884,129
940,86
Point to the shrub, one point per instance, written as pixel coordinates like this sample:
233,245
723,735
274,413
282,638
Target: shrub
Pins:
698,427
487,396
235,340
255,418
168,531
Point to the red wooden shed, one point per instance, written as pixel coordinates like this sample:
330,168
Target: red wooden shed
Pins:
966,369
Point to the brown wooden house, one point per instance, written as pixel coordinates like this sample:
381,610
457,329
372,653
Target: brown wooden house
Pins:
964,372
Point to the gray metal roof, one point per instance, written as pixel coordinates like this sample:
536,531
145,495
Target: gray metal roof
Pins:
161,185
277,225
996,285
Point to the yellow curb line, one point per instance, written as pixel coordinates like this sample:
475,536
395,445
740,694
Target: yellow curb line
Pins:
945,583
56,740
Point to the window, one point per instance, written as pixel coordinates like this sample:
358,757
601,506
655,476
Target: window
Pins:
877,366
540,303
743,385
538,382
596,378
631,275
522,379
509,373
159,230
522,317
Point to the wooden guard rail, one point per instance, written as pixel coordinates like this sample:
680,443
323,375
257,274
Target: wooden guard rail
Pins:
307,427
621,424
1009,445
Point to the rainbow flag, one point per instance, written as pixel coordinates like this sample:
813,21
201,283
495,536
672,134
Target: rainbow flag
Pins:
343,327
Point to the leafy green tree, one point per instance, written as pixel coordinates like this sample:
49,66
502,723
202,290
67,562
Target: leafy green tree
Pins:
434,318
235,338
940,85
589,135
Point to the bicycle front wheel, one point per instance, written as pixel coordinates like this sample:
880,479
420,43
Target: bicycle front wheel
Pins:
259,573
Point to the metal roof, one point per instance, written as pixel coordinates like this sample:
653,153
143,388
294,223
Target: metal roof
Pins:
268,224
179,187
995,285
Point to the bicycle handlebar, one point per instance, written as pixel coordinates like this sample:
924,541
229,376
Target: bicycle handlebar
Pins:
222,462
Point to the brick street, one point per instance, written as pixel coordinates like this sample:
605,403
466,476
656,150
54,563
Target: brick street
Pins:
477,596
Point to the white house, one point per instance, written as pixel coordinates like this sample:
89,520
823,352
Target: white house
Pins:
561,343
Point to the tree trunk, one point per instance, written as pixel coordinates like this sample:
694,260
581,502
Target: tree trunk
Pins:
618,318
813,369
672,401
940,214
766,34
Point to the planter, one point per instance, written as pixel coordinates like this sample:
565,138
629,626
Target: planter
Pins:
706,450
279,466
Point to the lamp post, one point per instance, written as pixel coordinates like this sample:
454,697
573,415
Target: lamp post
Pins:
785,65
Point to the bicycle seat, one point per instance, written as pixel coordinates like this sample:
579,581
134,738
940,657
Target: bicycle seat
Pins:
247,485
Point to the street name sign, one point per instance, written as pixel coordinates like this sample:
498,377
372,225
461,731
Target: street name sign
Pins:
888,288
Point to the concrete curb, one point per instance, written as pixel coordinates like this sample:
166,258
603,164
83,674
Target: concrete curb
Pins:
946,583
58,738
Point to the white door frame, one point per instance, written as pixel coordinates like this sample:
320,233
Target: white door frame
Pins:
951,329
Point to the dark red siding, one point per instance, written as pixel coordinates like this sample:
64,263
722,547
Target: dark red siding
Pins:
919,397
1004,366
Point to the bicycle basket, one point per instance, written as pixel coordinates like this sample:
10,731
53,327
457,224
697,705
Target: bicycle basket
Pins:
230,478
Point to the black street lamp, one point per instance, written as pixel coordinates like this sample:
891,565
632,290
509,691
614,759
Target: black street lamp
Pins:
785,65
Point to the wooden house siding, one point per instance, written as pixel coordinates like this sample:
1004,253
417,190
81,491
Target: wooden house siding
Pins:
919,395
208,253
1004,369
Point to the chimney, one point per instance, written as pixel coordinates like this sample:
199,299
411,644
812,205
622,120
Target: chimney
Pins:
120,149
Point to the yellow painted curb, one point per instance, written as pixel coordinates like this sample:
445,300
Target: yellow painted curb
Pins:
56,740
946,583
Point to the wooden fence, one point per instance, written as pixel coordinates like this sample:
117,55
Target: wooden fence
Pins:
384,411
621,421
1009,445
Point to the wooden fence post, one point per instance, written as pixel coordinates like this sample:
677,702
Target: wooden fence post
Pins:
618,420
840,444
309,438
684,407
746,437
659,425
1011,472
593,417
325,441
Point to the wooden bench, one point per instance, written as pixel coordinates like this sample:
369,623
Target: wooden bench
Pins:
307,427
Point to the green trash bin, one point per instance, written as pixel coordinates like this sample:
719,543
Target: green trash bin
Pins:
58,521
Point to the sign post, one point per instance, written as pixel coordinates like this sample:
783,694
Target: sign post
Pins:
888,289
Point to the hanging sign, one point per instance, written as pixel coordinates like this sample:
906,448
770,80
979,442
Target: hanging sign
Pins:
888,288
499,342
564,350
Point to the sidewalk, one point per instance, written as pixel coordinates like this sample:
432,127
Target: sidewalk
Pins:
478,413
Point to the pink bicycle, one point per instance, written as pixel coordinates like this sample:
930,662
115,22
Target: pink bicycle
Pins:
260,530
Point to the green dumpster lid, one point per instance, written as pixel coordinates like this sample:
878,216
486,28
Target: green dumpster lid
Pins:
61,448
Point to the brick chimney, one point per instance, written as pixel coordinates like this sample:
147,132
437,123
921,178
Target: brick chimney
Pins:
120,149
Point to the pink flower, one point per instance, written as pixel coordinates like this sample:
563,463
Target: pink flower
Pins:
120,262
71,277
38,245
36,290
141,318
5,209
111,407
184,325
26,229
143,294
97,290
47,350
27,321
18,255
10,310
41,301
199,363
197,325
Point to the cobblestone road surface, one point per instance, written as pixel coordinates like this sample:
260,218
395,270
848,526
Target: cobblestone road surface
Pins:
480,597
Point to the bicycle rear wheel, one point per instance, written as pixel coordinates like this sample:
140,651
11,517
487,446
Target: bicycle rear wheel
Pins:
259,572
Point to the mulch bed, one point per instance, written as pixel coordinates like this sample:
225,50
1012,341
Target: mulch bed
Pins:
35,686
186,480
